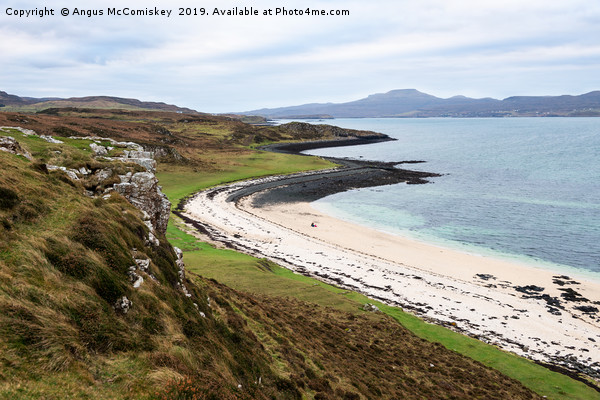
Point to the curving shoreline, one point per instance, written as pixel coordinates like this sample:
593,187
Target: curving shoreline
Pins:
495,301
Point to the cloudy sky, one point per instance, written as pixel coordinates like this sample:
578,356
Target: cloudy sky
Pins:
234,63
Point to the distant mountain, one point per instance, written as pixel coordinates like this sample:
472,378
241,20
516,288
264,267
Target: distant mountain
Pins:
9,102
412,103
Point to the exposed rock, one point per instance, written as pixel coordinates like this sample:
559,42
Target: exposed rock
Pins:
102,175
71,173
141,189
135,278
50,139
10,145
143,158
370,307
115,143
180,263
143,265
98,150
181,272
184,289
123,305
25,132
164,152
127,145
138,154
84,171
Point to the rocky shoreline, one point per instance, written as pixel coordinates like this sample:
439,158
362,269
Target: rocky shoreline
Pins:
351,174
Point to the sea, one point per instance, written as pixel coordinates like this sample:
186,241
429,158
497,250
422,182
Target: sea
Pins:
522,189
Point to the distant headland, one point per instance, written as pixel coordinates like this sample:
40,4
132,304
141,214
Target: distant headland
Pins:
410,103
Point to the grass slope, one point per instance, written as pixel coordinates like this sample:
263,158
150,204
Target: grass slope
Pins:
249,274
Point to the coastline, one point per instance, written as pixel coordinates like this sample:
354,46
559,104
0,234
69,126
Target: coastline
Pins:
529,311
471,249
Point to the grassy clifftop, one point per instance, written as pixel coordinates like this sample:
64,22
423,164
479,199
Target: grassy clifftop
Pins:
65,263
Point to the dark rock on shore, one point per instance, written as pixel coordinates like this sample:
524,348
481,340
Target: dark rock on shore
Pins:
571,295
353,174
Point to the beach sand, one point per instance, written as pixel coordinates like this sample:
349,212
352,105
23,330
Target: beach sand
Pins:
452,263
515,306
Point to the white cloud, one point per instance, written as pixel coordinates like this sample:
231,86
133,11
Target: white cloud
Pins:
235,62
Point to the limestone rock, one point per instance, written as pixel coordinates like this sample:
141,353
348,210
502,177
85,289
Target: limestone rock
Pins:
10,145
135,278
370,307
98,150
50,139
71,173
143,158
101,175
123,305
143,265
141,189
84,171
25,132
181,272
180,263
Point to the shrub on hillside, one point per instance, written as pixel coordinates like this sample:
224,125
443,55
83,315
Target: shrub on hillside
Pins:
105,236
8,198
69,258
98,327
108,285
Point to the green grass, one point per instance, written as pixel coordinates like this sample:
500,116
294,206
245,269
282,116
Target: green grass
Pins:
246,273
178,182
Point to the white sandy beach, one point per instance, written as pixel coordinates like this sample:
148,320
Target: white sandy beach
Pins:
473,294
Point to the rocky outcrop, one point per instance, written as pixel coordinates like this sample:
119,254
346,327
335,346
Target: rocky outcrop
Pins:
164,152
10,145
143,158
370,307
123,305
141,189
98,149
50,139
25,132
181,281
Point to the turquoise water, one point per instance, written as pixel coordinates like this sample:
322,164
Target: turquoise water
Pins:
525,188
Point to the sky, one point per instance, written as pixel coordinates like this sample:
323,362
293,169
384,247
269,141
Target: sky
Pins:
217,64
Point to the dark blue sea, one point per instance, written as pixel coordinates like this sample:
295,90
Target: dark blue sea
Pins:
517,188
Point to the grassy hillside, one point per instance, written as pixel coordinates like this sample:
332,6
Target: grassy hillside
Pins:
249,329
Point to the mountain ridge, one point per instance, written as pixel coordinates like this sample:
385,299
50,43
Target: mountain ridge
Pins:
11,102
413,103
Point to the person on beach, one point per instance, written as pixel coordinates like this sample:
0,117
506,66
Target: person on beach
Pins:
313,224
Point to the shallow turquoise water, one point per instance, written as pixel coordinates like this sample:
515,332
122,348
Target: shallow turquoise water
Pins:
526,188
